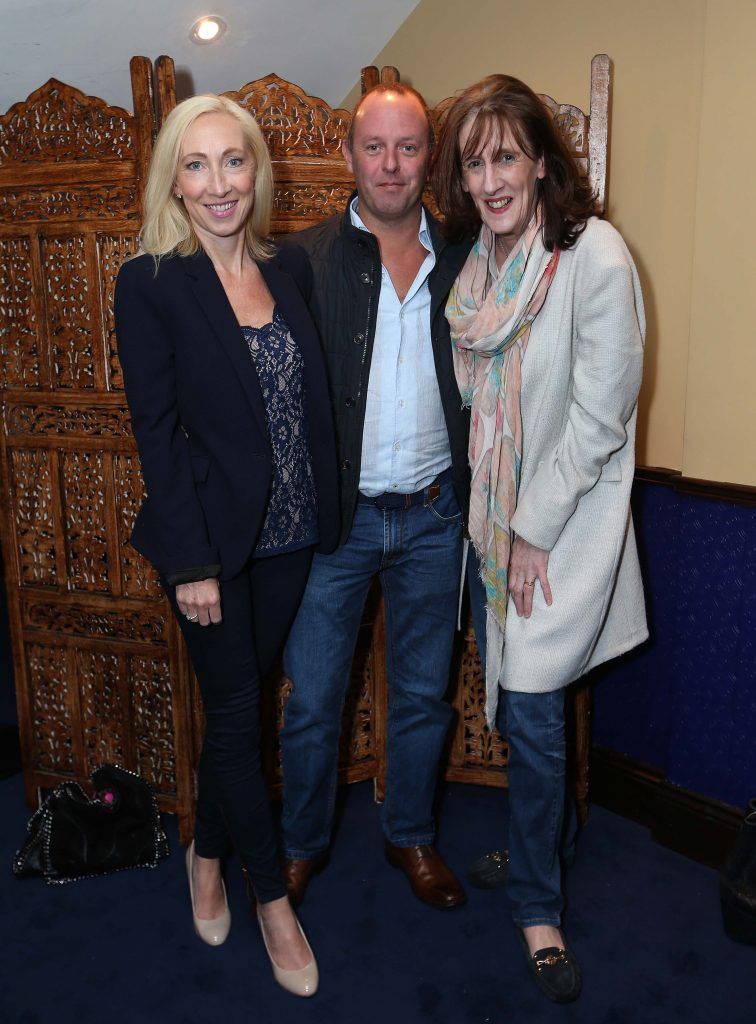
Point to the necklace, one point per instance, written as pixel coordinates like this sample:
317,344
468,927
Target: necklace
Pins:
502,246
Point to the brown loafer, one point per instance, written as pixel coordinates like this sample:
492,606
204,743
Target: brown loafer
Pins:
297,872
431,880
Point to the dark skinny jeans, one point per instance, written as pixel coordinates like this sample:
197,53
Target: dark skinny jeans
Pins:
230,660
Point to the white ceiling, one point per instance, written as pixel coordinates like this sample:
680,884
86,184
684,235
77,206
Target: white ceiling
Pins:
321,45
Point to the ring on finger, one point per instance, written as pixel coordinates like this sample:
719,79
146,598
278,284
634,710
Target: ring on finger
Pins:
192,618
530,583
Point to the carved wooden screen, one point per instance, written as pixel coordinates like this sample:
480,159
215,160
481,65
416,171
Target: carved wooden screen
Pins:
99,670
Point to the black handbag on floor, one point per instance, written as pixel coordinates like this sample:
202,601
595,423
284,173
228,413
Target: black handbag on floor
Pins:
737,882
74,836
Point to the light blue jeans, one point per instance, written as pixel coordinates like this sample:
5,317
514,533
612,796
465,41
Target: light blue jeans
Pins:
416,553
542,824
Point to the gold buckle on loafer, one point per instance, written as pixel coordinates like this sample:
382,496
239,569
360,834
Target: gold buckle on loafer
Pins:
551,960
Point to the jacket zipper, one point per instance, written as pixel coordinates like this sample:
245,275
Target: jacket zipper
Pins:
367,331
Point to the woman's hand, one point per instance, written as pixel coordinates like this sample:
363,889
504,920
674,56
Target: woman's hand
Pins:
200,602
527,564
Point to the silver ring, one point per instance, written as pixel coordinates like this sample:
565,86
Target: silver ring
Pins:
530,583
192,618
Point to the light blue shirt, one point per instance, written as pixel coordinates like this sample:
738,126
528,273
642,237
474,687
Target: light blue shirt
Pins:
405,444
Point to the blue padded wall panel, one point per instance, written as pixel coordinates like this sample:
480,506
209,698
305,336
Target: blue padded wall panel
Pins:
633,698
686,701
713,738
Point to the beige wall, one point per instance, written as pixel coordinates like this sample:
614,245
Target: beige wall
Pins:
720,439
682,158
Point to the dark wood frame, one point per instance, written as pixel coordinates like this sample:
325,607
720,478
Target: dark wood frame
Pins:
694,825
715,490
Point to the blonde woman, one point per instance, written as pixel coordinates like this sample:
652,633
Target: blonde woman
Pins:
230,410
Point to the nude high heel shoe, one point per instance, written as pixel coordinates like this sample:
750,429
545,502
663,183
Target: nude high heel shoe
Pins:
300,982
215,930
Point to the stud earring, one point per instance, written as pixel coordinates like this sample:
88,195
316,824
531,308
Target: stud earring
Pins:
179,195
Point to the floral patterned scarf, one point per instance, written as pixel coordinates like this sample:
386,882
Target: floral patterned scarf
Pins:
490,319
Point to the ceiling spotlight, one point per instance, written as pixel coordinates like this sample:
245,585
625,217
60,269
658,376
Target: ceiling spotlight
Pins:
207,30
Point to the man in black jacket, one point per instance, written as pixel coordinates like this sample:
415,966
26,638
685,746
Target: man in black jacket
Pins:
381,275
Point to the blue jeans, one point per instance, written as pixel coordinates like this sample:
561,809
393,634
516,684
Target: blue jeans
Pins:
542,824
416,552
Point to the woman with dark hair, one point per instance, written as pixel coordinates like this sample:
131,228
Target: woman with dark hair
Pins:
547,324
229,405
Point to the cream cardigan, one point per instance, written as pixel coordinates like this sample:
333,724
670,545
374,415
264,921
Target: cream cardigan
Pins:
581,375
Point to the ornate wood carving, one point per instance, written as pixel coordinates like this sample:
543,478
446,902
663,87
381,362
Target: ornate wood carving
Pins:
303,202
54,419
134,625
52,720
294,124
113,250
70,322
104,708
112,201
58,122
19,322
304,136
99,668
480,747
31,476
84,523
138,577
154,721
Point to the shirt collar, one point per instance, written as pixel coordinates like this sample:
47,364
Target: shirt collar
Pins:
423,233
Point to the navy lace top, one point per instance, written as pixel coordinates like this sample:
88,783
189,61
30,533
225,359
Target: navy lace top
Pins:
291,516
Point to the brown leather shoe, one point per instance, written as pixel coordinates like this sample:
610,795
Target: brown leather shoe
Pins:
431,880
297,873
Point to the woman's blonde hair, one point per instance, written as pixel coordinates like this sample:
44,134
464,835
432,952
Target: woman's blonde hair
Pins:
166,228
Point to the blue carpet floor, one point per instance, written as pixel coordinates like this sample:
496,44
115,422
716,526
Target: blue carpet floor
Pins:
120,950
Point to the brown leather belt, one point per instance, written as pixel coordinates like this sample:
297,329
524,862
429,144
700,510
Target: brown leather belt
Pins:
391,499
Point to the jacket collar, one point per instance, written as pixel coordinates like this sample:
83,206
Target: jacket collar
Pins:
434,228
450,257
212,298
214,303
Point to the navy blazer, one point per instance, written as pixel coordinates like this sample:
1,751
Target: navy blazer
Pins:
198,415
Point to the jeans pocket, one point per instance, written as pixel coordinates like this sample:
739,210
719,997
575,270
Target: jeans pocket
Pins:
445,508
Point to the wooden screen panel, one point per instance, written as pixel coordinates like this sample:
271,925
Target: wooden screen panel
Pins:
19,351
304,136
98,662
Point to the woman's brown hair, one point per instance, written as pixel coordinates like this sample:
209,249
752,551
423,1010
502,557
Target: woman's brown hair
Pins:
499,103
